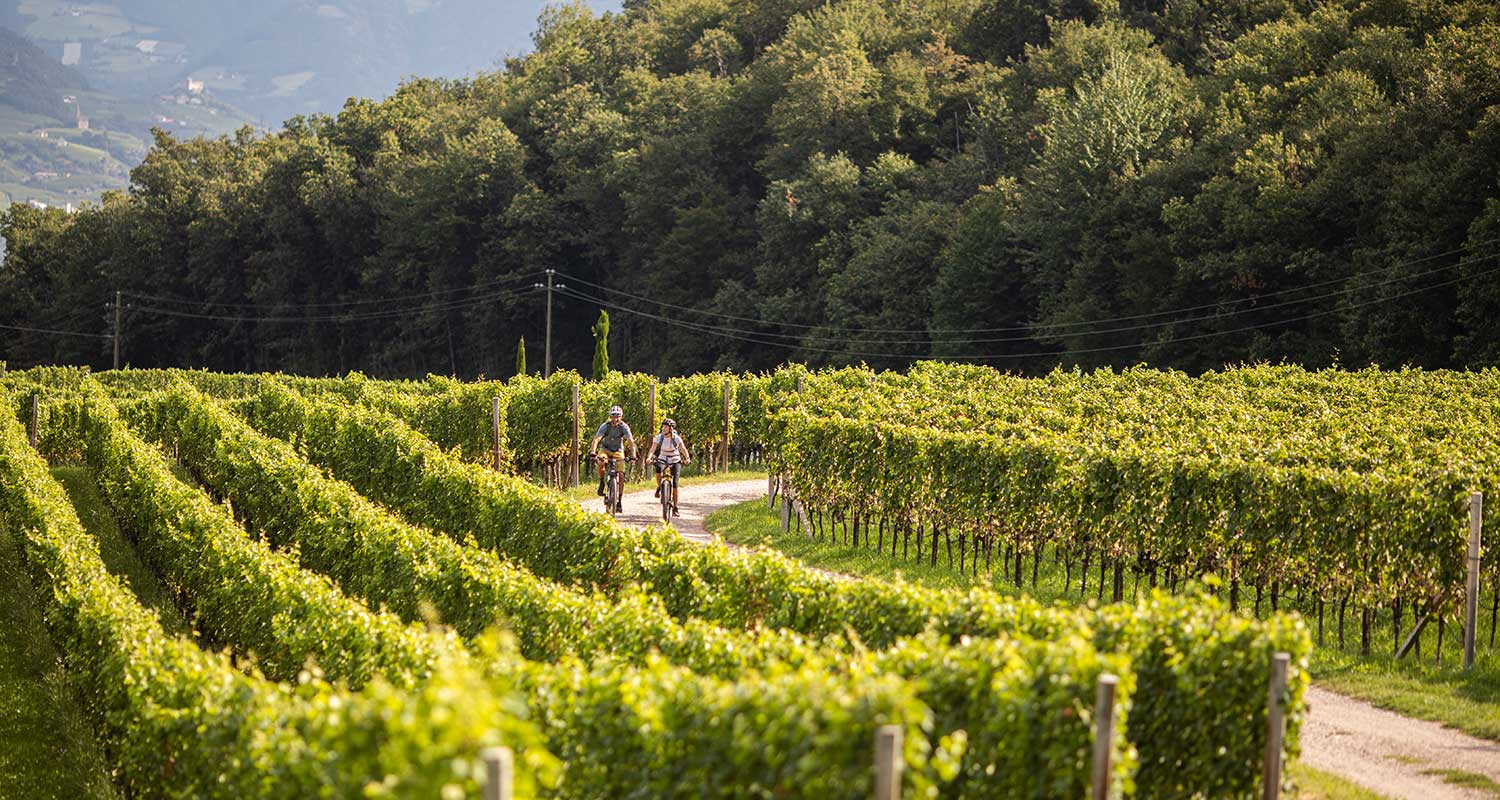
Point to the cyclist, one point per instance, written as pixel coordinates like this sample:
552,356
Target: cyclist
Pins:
668,451
613,437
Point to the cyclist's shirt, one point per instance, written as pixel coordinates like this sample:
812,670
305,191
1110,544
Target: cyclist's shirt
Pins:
669,449
612,437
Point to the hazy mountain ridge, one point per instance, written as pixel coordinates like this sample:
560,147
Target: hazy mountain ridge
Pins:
277,58
207,68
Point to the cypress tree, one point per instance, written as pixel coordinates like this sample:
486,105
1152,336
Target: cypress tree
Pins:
601,346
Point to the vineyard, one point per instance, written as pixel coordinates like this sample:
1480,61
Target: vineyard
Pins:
381,585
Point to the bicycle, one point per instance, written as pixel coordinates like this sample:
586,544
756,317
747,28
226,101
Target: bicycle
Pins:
613,485
666,489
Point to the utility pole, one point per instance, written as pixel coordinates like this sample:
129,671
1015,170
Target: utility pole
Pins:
547,360
547,363
117,329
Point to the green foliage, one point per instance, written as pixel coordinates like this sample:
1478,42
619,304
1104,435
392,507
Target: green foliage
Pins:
539,415
816,741
740,590
998,670
1038,182
183,722
696,403
601,346
238,587
336,532
521,356
1351,485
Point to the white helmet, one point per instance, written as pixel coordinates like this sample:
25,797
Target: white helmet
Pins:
616,411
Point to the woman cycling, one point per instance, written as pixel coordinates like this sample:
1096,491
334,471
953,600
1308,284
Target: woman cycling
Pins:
668,451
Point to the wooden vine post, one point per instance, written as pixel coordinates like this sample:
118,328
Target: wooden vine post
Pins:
499,773
1104,736
1471,599
724,450
651,428
1275,727
36,413
577,423
888,762
495,428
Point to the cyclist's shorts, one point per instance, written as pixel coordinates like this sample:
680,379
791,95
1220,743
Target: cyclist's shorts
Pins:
613,455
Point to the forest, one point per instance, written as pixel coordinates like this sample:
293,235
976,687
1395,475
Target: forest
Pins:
1021,183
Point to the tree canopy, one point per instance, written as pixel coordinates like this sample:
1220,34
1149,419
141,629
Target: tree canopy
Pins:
741,182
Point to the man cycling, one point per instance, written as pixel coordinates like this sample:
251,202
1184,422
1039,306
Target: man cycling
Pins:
668,451
612,437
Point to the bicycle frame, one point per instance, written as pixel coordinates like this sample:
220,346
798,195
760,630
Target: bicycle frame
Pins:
614,484
667,489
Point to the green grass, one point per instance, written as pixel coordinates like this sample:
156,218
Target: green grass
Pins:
588,483
1468,780
1469,701
119,554
48,749
752,524
1315,785
1416,687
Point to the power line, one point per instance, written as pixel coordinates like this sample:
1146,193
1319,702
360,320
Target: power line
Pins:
370,315
341,304
1041,326
797,338
714,331
54,332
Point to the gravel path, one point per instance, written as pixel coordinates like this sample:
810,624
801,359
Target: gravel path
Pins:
1380,750
643,510
1392,754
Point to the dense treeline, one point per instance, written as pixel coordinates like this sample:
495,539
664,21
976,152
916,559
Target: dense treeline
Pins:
1037,181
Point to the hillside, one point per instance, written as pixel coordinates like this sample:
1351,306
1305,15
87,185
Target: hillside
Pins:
253,63
277,58
739,183
62,142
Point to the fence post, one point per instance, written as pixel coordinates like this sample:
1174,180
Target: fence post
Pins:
499,773
577,421
36,412
728,395
888,762
1471,600
1275,727
495,427
1104,735
651,427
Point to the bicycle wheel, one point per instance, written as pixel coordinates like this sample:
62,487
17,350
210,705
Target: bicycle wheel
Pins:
609,494
666,497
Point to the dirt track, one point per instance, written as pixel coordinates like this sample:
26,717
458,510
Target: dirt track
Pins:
1377,749
1389,753
642,509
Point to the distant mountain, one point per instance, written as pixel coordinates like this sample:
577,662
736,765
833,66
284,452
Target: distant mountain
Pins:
276,58
206,67
62,141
